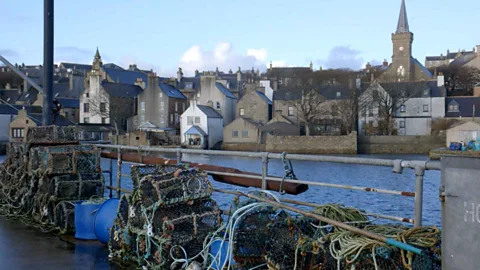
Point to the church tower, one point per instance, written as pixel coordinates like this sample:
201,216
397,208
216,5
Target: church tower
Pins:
402,48
97,61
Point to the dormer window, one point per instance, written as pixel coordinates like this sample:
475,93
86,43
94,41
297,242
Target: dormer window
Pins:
426,92
339,94
453,108
189,85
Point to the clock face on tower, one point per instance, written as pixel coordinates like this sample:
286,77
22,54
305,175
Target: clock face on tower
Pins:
401,48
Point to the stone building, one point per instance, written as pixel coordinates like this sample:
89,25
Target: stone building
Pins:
160,104
19,126
404,66
254,105
449,57
242,130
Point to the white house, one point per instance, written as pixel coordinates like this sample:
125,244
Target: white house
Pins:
423,102
201,126
268,89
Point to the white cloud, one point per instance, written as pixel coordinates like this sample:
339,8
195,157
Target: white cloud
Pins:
222,56
279,63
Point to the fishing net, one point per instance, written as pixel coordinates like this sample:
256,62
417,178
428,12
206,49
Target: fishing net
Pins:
77,186
65,216
48,135
167,218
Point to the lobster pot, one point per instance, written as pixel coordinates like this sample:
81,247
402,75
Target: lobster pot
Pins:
140,171
165,189
43,209
77,186
66,159
65,216
250,236
120,236
287,246
52,135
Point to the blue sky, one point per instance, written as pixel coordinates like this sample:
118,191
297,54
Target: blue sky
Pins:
164,35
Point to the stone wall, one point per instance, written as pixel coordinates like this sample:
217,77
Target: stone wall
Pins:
318,145
399,144
251,147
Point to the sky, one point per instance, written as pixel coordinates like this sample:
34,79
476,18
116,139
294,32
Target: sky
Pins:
165,35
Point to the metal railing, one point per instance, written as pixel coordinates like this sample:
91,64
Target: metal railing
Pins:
397,166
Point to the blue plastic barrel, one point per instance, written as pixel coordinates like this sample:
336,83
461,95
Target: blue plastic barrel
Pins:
104,219
85,220
216,247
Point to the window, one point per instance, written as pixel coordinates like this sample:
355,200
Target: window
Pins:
290,111
104,120
142,105
86,120
183,106
218,105
162,106
198,94
162,119
426,92
242,112
453,108
370,111
339,94
197,120
244,133
86,107
171,118
87,95
176,118
402,108
176,106
26,121
425,108
161,94
66,115
235,134
18,132
189,120
103,107
402,124
188,85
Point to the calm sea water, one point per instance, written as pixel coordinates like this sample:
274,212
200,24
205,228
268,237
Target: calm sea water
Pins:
346,174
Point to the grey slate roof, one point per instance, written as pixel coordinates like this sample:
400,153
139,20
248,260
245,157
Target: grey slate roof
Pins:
29,96
9,96
125,76
402,26
449,56
225,91
265,98
60,120
121,90
195,130
465,106
13,109
422,67
415,89
171,91
77,66
69,102
462,60
112,65
209,111
291,93
330,92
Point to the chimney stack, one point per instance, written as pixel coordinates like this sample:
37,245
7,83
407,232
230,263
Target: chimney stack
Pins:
179,74
70,81
140,82
196,73
385,62
440,80
368,66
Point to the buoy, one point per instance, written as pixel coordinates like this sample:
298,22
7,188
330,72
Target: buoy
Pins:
104,219
216,247
84,220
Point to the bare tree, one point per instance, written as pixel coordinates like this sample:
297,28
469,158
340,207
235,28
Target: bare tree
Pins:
112,110
459,81
308,107
347,111
388,97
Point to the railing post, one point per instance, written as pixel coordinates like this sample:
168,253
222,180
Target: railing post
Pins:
264,171
419,173
110,174
179,157
119,172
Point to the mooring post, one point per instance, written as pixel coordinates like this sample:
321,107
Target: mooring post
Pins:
119,172
264,171
179,157
110,174
419,173
48,32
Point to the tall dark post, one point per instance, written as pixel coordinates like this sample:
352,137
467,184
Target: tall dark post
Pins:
48,62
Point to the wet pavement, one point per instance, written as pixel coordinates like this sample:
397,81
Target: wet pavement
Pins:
25,247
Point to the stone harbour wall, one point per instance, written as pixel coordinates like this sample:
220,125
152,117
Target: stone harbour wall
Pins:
399,144
251,147
315,145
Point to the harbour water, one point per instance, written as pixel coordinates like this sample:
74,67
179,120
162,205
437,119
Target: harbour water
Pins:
23,247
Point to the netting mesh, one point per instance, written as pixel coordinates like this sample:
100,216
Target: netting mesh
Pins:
40,179
167,218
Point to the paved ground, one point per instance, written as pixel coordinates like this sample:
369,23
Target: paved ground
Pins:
23,247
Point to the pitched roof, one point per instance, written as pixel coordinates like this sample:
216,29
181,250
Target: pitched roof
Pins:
171,91
125,76
13,109
209,111
254,123
225,91
29,96
422,67
69,102
265,98
195,130
288,71
402,26
291,93
415,89
112,65
462,60
9,96
77,66
330,92
465,106
121,90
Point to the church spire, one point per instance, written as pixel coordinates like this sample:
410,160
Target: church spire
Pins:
402,26
97,55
